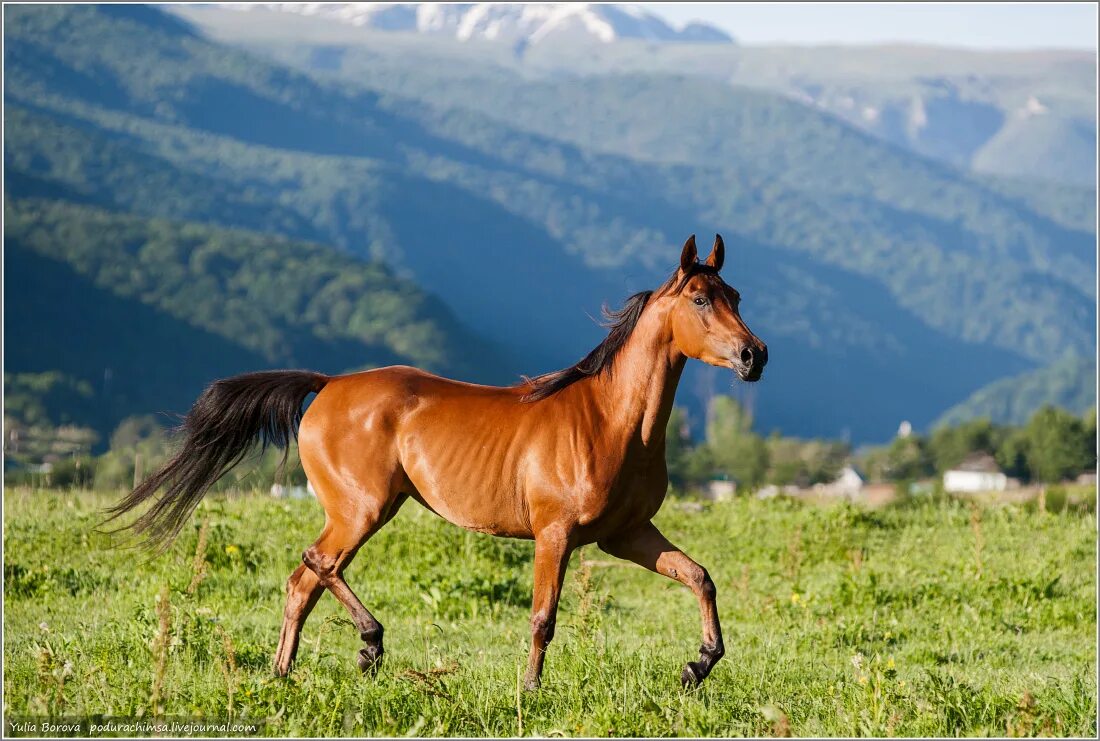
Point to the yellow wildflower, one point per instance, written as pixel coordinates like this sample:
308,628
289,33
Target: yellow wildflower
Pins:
232,550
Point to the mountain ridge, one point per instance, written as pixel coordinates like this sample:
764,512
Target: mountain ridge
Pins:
520,26
962,106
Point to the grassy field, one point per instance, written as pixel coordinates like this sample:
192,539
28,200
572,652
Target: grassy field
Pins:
936,618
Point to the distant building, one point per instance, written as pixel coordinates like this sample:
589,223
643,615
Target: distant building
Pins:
771,491
848,483
721,489
1088,478
905,429
978,472
291,492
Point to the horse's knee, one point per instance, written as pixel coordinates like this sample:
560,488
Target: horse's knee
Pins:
542,626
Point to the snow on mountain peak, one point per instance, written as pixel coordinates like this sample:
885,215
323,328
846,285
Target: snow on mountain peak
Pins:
523,24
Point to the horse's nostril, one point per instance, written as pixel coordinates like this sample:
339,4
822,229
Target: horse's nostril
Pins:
746,355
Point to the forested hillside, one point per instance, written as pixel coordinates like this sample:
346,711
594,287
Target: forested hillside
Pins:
145,312
1070,383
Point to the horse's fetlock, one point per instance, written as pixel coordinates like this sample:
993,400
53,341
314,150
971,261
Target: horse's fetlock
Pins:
373,634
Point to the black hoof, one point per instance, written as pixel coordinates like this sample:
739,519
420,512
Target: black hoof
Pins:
691,677
369,659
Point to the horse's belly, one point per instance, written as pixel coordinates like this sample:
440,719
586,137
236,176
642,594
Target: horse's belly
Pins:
480,512
463,466
469,486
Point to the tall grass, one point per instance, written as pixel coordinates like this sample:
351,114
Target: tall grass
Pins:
837,620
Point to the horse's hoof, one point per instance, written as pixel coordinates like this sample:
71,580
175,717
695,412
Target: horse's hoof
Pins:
690,678
369,659
532,685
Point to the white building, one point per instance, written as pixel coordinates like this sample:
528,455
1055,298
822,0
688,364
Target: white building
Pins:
979,472
721,489
848,483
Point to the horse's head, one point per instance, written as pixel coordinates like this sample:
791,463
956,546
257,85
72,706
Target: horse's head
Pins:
704,313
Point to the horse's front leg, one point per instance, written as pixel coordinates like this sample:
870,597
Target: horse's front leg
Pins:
552,548
644,545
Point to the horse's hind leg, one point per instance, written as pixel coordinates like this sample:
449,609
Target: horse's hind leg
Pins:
323,566
303,588
345,531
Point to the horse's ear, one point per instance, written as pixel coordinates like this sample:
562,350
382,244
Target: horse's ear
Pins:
689,255
717,253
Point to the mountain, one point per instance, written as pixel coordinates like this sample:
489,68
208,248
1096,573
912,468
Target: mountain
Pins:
517,25
1016,113
889,286
1069,383
762,164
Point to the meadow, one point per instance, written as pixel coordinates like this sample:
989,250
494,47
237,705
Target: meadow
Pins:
926,618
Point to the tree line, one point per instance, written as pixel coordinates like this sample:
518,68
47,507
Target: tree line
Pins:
1054,445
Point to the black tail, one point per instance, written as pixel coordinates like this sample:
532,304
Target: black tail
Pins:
223,425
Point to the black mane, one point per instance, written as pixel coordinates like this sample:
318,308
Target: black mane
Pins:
621,323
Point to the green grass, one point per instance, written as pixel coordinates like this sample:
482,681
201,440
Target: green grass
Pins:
923,619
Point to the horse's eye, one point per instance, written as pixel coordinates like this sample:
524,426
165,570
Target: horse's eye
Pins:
701,301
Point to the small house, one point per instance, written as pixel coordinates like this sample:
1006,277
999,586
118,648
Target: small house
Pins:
978,472
720,489
848,483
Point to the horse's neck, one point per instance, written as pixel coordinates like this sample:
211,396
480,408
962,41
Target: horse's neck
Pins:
637,395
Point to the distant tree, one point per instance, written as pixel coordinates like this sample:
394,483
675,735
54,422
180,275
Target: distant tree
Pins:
139,445
1090,431
699,466
824,459
1012,454
904,459
736,450
785,464
1058,445
134,430
949,446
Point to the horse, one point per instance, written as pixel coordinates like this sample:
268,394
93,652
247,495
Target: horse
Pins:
567,459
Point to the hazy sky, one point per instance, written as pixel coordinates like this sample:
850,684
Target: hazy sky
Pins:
983,25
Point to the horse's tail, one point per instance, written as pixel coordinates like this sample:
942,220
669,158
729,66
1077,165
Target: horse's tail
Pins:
224,424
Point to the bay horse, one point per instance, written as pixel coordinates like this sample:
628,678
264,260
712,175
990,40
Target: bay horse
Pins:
568,458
